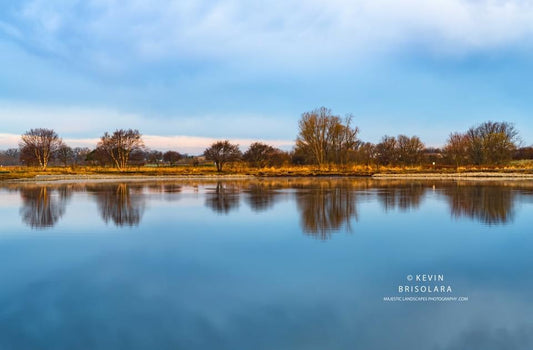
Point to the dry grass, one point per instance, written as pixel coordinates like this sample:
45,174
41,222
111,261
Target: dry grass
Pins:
15,172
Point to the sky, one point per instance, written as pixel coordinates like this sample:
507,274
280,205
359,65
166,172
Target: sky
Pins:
188,72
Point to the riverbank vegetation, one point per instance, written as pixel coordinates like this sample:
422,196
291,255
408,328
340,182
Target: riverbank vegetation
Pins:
326,144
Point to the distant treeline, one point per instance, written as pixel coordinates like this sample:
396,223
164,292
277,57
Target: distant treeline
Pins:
323,139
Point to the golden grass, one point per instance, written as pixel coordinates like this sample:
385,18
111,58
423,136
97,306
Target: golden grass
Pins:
19,172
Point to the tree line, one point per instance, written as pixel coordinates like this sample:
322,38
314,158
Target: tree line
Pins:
323,139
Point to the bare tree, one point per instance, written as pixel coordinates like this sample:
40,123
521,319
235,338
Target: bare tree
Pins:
410,149
523,153
456,149
80,155
366,153
120,145
325,137
313,137
475,146
343,140
154,157
261,155
387,150
64,154
39,145
10,156
222,152
98,156
171,157
500,140
492,142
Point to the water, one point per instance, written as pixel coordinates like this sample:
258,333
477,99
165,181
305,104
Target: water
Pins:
266,264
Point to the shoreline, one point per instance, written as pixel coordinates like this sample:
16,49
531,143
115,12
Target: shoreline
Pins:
78,178
513,176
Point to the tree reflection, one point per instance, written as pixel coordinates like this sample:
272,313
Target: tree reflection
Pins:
324,205
487,203
401,196
42,206
326,208
168,191
223,198
261,196
118,204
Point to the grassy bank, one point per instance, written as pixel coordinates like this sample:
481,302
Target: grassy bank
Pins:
517,168
9,173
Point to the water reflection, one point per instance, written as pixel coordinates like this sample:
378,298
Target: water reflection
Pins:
325,206
234,281
43,206
168,191
488,204
263,195
224,197
401,195
118,204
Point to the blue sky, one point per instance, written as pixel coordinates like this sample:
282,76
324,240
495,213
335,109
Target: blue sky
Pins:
189,72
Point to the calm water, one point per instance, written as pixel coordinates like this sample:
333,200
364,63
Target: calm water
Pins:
266,264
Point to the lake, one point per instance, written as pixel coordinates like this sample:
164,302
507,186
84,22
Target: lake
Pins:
267,264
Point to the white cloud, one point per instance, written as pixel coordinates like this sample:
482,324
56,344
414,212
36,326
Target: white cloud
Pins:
81,127
82,122
196,144
185,144
287,32
9,141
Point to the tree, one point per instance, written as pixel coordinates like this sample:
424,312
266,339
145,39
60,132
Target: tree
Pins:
324,138
120,145
138,157
410,149
98,156
10,156
38,145
154,157
343,140
456,149
171,157
366,153
387,150
64,154
523,153
80,154
500,140
222,152
492,142
261,155
279,158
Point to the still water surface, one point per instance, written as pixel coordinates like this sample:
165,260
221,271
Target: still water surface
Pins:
266,264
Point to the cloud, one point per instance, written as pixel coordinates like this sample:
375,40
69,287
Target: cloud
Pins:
196,144
246,69
91,122
113,35
9,141
185,144
82,127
